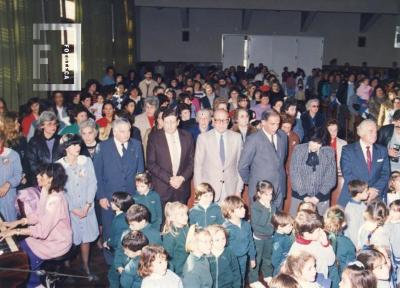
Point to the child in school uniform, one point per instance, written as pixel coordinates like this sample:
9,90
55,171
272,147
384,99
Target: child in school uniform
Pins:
149,198
137,217
153,269
132,244
262,211
240,233
392,226
356,276
375,260
120,203
345,251
282,239
224,265
205,212
394,185
312,239
174,235
355,208
196,271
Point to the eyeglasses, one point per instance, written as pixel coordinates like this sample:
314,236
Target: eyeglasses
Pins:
315,106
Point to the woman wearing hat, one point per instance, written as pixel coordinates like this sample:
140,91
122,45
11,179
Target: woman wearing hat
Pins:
80,191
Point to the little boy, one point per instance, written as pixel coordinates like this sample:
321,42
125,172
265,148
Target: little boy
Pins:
240,234
149,198
132,244
137,217
310,237
120,203
282,239
205,212
355,208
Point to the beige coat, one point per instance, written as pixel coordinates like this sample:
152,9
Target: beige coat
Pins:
208,167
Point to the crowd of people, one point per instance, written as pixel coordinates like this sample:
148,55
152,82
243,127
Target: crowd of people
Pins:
232,178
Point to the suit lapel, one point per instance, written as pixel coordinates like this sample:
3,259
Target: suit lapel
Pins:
164,143
114,150
183,152
375,157
360,155
270,145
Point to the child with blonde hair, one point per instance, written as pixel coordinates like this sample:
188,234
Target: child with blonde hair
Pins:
196,271
224,265
174,234
153,269
240,233
283,280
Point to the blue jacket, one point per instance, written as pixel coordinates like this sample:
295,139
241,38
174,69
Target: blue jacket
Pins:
225,270
281,244
115,173
354,167
130,277
204,217
152,202
174,244
118,226
241,239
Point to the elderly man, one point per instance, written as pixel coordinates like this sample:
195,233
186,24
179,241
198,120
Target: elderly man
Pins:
116,162
145,121
217,158
170,153
367,161
203,119
263,157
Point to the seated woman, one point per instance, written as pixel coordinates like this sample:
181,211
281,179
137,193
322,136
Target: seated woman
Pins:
48,229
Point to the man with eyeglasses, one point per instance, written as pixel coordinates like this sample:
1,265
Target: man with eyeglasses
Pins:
217,157
263,157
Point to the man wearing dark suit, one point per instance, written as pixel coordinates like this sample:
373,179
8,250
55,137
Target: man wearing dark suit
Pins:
116,162
367,161
170,159
263,157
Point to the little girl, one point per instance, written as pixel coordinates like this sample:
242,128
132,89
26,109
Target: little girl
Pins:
261,214
392,227
175,233
240,233
153,269
224,266
394,191
97,108
372,232
356,276
301,266
376,261
334,223
283,280
196,271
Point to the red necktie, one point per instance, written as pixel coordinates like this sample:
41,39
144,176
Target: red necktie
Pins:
369,160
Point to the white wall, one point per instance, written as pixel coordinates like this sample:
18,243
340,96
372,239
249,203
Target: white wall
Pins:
160,31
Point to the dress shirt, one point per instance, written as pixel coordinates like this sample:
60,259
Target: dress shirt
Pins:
275,138
364,150
174,147
119,146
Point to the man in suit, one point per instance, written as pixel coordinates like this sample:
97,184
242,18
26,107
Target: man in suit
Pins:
116,163
263,157
170,157
367,161
217,158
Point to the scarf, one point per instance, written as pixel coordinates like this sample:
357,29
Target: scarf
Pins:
312,160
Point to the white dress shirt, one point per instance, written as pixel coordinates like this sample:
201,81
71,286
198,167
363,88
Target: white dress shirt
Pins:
174,147
218,135
275,142
364,149
119,146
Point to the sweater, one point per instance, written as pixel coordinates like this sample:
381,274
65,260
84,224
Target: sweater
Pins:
261,221
354,212
241,239
169,280
205,217
152,202
118,226
130,277
174,244
225,270
281,244
196,272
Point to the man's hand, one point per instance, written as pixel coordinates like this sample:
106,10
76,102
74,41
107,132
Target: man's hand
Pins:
4,189
393,153
176,181
373,193
104,203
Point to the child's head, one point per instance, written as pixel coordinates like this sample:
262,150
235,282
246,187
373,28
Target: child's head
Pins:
358,189
300,265
375,261
283,280
282,222
137,217
377,212
307,206
233,206
143,182
153,260
133,243
198,241
394,183
219,236
264,191
308,224
100,98
334,220
121,201
356,276
204,194
176,216
395,210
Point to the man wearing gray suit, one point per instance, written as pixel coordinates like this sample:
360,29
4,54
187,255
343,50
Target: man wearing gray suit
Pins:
217,158
263,157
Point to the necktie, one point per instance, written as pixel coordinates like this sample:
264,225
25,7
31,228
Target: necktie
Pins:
273,141
369,159
222,149
123,150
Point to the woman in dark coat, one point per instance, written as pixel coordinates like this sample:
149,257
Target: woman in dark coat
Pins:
312,120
